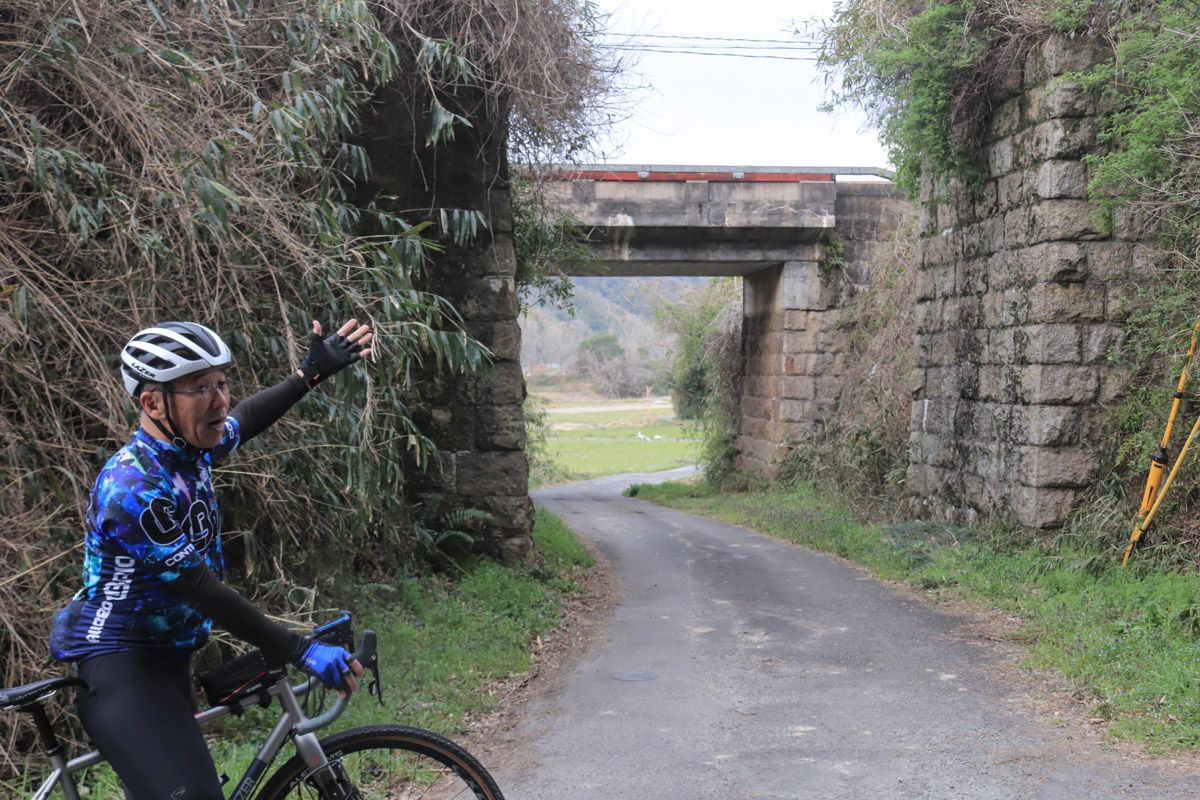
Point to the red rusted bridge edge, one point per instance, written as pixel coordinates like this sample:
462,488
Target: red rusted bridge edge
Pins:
732,176
681,173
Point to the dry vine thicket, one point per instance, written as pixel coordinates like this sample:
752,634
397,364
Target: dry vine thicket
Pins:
879,325
862,452
167,160
541,61
929,74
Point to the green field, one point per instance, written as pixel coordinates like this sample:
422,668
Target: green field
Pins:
588,438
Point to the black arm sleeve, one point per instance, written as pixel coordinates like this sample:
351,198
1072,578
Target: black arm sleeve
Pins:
216,601
260,410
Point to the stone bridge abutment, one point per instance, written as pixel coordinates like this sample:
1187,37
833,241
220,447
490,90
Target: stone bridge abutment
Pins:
794,347
1021,301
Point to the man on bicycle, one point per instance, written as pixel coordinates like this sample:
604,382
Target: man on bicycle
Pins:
153,567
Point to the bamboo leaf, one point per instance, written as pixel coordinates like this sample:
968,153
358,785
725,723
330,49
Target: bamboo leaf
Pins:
162,22
225,190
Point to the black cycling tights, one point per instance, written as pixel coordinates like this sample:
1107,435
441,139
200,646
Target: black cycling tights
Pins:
138,709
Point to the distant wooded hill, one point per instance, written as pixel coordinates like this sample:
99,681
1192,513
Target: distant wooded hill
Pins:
622,306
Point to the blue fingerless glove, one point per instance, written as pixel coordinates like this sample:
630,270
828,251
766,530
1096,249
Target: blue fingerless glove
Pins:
327,662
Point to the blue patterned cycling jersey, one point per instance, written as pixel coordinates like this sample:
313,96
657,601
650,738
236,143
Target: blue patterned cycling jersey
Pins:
153,515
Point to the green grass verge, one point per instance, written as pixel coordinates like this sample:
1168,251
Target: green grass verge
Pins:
607,443
598,442
637,420
560,549
585,459
445,643
669,431
1126,639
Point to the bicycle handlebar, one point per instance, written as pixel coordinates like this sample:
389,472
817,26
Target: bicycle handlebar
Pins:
367,654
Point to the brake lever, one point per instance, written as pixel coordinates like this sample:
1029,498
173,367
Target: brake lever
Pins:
368,656
375,688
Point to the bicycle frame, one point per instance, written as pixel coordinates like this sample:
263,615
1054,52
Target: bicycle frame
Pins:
293,723
293,719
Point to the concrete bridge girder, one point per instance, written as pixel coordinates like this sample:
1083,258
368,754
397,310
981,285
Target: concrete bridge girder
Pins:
626,252
699,227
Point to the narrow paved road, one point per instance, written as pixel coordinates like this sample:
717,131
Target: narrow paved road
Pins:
738,666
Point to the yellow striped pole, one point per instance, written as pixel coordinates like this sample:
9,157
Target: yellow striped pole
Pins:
1140,528
1155,488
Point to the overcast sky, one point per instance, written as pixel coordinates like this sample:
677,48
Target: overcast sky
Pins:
730,111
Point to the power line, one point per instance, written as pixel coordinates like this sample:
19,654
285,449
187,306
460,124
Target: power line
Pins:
683,48
714,46
812,42
641,49
728,55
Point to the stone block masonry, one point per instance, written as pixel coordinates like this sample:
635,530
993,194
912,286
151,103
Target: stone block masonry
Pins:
476,420
795,360
1019,306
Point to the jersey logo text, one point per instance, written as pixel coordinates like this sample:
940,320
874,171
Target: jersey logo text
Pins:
158,523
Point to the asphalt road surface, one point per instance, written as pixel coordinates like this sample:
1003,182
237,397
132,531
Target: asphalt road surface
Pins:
736,665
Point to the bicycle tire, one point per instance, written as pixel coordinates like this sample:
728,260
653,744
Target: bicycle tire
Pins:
390,762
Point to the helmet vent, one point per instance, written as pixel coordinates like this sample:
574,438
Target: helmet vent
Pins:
170,350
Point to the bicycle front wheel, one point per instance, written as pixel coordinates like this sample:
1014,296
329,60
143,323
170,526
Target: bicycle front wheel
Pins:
387,762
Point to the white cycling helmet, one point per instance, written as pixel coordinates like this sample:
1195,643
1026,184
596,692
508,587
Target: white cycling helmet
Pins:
168,351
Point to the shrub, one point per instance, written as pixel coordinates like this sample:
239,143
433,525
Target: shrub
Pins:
693,320
723,351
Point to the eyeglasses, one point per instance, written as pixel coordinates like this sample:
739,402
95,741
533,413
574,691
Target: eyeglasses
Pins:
206,391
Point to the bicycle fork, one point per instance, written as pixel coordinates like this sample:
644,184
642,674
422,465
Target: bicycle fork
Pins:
327,777
323,775
307,746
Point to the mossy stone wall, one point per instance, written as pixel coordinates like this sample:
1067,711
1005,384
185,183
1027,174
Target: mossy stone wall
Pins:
1021,298
476,420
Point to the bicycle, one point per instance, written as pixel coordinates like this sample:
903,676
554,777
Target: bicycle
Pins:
371,762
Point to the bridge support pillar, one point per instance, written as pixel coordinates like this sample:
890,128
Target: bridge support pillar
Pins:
793,359
476,420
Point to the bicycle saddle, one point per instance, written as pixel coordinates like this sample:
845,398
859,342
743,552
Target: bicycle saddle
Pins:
20,696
